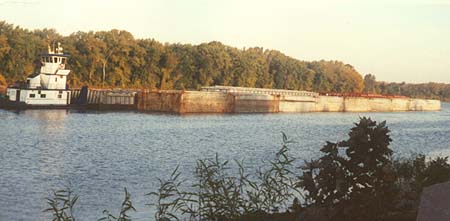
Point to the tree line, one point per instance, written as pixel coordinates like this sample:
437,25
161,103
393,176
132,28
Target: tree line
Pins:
116,59
430,90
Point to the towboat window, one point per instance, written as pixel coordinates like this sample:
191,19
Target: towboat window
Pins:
32,95
47,59
63,61
56,79
55,59
43,95
59,96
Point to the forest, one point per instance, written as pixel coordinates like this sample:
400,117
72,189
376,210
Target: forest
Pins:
430,90
116,59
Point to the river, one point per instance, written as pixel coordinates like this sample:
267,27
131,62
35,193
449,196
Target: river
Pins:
100,153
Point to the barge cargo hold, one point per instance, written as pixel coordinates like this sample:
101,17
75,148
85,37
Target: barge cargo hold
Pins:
223,99
236,100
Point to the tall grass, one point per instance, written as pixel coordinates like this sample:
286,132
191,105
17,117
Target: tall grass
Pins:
219,193
126,207
61,204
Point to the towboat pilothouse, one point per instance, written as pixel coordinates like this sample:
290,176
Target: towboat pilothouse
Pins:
48,87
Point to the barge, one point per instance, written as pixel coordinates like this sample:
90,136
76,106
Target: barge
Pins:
48,89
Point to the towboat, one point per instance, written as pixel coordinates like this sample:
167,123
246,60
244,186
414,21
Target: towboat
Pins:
46,88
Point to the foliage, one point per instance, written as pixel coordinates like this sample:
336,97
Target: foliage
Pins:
357,179
369,167
418,172
220,195
275,187
3,85
437,171
127,206
116,59
2,81
430,90
61,205
168,197
356,185
370,84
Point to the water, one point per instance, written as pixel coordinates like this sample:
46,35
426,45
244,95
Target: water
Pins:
100,153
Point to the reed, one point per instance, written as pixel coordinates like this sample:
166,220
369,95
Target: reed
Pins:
61,204
126,207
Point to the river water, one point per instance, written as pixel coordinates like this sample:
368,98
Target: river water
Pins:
100,153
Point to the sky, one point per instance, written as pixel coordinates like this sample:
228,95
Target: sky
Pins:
396,40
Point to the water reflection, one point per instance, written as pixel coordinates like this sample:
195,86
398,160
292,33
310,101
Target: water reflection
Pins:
43,129
100,153
46,115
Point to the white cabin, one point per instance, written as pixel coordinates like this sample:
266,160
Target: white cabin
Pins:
49,86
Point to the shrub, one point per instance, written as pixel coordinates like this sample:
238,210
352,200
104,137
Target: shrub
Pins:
416,173
354,179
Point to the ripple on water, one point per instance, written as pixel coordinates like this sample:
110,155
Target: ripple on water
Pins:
100,153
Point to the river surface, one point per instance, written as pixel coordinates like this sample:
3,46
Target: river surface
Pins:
100,153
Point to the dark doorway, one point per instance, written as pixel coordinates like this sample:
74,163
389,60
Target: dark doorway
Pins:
18,96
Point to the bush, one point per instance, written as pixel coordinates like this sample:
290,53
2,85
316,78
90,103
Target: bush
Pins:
354,179
357,179
416,173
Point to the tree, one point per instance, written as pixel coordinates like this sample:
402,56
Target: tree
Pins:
370,174
168,62
4,46
360,184
369,83
116,58
2,80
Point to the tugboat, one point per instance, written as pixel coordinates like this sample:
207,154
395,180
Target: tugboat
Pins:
44,89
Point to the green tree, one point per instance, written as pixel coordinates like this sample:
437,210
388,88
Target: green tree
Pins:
168,62
116,58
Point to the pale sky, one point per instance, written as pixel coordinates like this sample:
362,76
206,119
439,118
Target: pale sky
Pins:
396,40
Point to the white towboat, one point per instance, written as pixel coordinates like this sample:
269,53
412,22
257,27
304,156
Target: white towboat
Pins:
46,88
